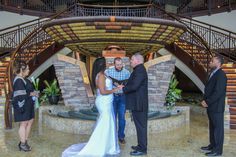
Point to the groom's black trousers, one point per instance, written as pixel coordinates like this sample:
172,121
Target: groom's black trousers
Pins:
140,121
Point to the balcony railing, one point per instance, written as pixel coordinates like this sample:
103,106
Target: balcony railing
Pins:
11,37
50,6
208,7
218,39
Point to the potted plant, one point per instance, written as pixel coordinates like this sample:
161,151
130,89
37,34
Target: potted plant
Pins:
51,93
173,93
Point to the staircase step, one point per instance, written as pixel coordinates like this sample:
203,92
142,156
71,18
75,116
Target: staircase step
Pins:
2,102
233,117
2,80
232,113
232,101
3,69
230,97
232,126
2,63
228,66
233,121
231,81
232,108
231,75
231,87
2,75
231,84
230,90
229,71
232,105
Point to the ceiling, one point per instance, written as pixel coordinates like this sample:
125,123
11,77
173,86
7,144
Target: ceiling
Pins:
90,35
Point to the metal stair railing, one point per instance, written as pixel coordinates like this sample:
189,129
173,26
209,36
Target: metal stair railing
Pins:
11,37
219,40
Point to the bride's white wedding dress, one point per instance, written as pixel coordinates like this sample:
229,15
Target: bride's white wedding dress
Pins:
103,141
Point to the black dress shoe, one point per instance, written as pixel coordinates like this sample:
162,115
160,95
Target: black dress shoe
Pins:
135,147
207,148
212,153
137,153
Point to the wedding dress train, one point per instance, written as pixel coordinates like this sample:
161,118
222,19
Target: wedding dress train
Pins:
103,141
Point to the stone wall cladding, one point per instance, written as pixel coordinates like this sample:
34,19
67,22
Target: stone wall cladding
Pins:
74,92
158,82
72,86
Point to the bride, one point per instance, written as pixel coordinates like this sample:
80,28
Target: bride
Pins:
103,141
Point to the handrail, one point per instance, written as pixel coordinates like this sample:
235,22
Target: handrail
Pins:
3,55
213,26
115,6
191,24
175,17
18,25
153,11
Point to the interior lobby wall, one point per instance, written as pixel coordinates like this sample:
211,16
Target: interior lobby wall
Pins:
224,20
10,19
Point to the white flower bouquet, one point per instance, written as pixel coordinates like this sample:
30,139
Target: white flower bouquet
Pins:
36,88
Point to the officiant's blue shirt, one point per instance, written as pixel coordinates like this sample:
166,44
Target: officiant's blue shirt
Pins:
124,74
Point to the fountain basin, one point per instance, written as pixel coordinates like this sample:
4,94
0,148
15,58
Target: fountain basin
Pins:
48,115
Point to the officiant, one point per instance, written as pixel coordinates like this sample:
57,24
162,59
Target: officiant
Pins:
119,75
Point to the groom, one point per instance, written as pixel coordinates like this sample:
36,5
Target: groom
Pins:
136,91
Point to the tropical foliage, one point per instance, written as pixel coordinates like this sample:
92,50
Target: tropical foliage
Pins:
173,93
51,89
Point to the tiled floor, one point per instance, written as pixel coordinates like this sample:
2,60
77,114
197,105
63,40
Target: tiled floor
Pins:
181,142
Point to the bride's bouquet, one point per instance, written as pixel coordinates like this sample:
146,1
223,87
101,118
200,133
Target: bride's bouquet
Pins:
36,88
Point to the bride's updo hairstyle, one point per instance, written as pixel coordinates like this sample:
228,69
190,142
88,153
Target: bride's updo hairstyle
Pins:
99,65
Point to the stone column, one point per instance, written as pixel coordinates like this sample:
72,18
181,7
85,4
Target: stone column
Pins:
74,82
159,72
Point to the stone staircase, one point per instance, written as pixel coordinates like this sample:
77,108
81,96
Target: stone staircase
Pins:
4,62
230,70
2,104
195,52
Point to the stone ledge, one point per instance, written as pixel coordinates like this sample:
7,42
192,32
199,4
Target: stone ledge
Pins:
77,126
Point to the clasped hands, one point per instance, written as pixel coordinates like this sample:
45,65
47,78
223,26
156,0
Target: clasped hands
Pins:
204,104
35,93
119,87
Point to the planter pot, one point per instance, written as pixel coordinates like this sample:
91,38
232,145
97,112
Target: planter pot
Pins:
53,99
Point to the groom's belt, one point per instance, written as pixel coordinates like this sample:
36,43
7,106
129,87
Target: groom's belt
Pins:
118,94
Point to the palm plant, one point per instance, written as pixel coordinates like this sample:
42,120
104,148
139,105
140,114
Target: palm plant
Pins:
52,91
173,93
